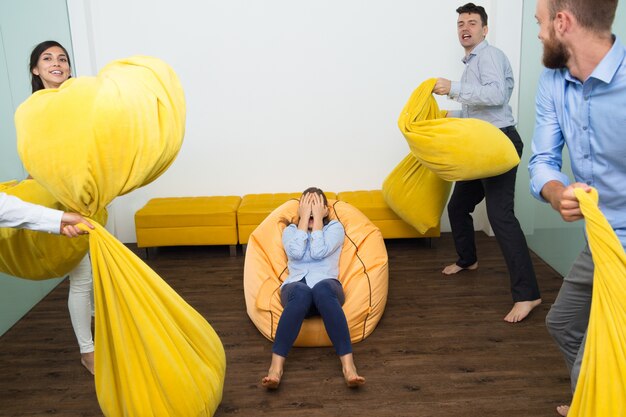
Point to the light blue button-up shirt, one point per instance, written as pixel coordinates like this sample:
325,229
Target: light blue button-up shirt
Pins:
590,118
313,255
485,87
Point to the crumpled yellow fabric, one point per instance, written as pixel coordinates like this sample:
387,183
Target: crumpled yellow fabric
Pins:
87,142
442,150
35,255
601,386
454,149
416,194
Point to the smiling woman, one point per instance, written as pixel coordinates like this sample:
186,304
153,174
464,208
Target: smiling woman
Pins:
49,65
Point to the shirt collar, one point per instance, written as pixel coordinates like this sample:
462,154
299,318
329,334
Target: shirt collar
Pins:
475,51
607,68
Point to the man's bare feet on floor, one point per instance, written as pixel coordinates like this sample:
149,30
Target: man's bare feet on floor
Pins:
562,410
454,268
520,310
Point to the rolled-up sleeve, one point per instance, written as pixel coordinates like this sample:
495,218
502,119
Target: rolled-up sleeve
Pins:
294,241
547,146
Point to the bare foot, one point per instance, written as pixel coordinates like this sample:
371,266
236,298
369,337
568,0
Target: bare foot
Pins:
520,310
454,268
562,410
87,359
353,379
272,380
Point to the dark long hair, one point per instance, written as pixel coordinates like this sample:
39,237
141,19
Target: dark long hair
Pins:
35,80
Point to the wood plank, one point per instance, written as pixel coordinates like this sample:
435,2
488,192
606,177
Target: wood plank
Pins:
440,349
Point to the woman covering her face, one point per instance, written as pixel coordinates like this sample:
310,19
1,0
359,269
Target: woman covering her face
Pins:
313,247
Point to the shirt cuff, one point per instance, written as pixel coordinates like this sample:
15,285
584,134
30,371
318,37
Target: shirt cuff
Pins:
316,233
455,89
50,220
538,181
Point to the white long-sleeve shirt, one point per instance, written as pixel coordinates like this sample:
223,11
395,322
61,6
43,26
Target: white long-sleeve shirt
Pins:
20,214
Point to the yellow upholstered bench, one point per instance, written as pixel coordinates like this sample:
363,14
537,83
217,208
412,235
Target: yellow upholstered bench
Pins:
373,205
254,208
181,221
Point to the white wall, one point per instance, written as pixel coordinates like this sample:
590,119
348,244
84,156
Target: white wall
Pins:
283,94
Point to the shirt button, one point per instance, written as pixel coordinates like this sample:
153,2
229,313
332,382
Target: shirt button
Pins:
584,127
586,98
586,156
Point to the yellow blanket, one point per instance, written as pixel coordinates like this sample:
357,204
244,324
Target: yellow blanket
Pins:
87,142
601,387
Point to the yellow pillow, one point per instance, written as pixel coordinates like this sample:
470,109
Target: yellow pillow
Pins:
601,388
416,194
363,272
35,255
454,149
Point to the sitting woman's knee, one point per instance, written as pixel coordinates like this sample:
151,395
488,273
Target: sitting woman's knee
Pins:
298,292
329,288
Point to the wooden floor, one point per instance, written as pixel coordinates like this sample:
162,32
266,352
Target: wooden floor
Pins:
441,348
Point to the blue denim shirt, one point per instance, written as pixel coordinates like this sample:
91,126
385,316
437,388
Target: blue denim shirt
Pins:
485,87
590,118
313,255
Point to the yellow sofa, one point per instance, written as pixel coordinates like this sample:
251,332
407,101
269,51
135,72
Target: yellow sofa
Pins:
373,205
178,221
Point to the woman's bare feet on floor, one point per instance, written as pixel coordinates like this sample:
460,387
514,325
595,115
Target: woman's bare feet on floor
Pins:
454,268
272,380
562,410
353,380
520,310
87,359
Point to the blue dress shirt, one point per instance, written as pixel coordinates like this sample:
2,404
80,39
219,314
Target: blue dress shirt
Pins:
313,255
590,118
485,87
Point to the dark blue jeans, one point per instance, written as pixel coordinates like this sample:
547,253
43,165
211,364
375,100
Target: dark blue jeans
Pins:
300,302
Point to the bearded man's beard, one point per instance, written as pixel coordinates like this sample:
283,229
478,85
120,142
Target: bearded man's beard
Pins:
555,56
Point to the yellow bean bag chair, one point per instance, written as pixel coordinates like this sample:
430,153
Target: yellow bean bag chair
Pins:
454,149
601,387
35,255
87,142
363,273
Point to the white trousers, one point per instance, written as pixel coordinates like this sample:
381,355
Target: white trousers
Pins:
80,303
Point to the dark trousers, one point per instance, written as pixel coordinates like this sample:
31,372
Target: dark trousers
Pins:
300,301
499,194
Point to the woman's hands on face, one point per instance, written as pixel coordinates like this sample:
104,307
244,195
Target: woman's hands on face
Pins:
304,210
318,208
